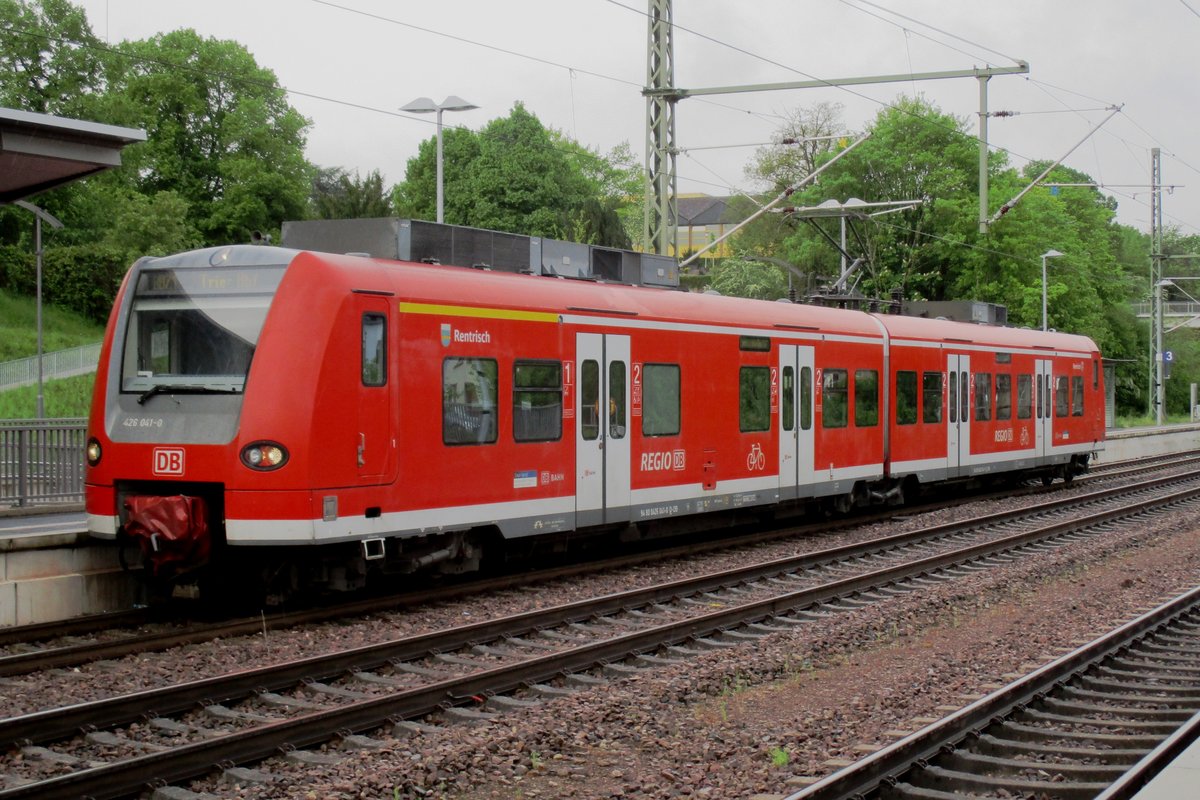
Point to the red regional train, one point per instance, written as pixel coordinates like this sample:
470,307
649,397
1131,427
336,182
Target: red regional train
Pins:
311,419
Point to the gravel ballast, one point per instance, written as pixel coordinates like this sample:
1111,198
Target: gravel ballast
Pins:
763,718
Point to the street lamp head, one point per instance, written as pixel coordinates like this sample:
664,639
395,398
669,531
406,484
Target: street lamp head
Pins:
1052,254
456,103
422,105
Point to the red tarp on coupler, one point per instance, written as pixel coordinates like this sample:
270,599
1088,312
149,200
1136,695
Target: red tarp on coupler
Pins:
171,531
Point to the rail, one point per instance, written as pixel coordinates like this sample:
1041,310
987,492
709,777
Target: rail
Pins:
58,364
41,461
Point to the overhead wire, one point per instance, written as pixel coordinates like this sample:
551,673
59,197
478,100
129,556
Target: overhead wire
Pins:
572,70
846,89
918,33
853,4
581,151
494,48
861,95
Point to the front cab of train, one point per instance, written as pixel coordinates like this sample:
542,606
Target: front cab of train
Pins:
169,395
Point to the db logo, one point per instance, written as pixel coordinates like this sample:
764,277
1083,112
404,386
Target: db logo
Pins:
168,461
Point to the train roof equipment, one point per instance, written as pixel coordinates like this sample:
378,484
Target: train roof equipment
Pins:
462,246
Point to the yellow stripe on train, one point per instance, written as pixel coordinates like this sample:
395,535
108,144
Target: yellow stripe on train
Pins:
477,312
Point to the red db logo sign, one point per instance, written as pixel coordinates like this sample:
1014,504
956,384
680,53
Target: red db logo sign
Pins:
168,461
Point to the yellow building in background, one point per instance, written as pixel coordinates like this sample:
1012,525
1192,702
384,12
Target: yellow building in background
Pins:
702,220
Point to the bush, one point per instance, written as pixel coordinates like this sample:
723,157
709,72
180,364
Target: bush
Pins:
83,278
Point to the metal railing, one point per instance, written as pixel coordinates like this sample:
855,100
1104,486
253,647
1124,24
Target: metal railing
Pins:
41,461
59,364
1171,308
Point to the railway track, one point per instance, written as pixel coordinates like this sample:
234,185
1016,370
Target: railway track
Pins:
119,746
70,643
1100,721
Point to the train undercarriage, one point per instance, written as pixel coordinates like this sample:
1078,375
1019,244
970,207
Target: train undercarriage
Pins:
179,531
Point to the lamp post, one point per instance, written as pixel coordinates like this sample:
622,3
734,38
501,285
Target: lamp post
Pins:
1160,394
423,105
1045,255
39,214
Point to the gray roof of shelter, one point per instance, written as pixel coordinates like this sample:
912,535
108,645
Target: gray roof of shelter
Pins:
697,212
41,151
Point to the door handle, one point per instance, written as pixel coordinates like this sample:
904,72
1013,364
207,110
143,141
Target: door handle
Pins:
362,448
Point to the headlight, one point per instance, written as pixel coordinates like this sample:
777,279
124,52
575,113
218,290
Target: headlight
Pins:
264,456
93,452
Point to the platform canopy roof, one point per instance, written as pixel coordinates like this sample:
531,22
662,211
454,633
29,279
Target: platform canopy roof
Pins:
41,151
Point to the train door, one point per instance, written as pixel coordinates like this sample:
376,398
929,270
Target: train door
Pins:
1044,406
958,409
795,378
602,449
373,446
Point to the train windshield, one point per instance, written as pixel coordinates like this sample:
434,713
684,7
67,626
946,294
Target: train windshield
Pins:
195,330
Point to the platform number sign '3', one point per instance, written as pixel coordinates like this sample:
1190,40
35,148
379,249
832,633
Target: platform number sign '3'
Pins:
168,461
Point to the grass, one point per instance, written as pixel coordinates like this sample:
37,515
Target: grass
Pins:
68,397
61,328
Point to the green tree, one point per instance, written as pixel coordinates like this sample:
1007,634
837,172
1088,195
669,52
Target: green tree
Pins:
522,182
518,176
49,59
50,63
416,196
154,225
749,278
337,195
916,152
805,140
221,133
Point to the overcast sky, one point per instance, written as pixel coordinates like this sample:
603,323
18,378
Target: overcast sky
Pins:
579,65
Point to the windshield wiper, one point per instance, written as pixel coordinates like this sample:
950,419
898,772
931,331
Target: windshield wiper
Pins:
181,388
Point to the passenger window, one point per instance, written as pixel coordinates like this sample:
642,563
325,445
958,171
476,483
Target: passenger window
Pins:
866,398
1003,397
1062,400
964,397
806,392
983,396
537,401
834,402
589,400
616,400
906,398
953,397
374,350
1077,396
469,387
931,397
660,399
1024,396
754,399
789,400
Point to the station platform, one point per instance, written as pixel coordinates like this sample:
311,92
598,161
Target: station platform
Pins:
1180,779
50,569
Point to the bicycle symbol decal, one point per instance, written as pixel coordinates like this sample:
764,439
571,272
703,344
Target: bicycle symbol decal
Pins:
757,460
